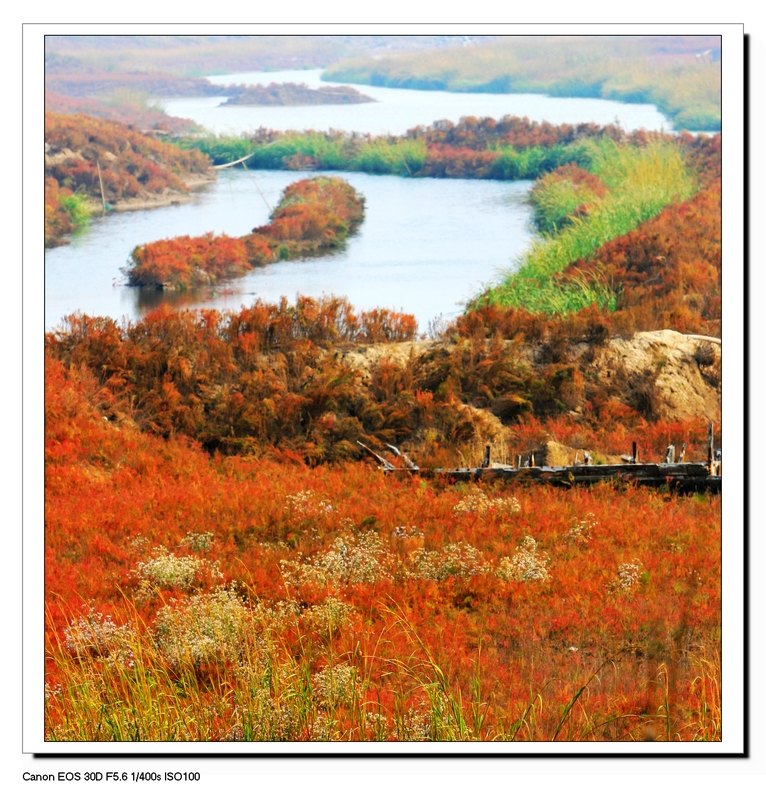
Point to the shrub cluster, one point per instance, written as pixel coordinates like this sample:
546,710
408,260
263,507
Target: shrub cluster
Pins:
313,216
86,156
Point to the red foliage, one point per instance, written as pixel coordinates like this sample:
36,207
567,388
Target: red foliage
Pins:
190,261
314,215
633,576
517,132
58,224
130,163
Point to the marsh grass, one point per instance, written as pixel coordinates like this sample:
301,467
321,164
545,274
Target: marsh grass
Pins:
641,181
78,208
681,84
265,677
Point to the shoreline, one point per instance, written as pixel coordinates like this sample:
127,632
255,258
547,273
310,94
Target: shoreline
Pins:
168,198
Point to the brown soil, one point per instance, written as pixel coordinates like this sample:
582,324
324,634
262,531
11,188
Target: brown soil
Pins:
681,374
169,197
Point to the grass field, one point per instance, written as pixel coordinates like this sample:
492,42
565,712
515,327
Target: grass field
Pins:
192,598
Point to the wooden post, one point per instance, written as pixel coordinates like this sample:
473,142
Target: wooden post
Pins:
710,450
634,453
387,465
485,463
101,185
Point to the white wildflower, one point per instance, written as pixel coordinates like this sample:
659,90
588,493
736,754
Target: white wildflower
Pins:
98,636
199,541
526,564
306,503
206,628
336,686
359,558
168,571
457,558
628,576
581,530
329,617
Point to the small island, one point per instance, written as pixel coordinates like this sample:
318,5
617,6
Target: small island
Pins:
314,215
293,94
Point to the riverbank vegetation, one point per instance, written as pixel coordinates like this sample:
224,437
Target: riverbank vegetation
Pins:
314,378
94,164
627,186
129,107
511,148
500,362
66,212
594,186
680,75
313,216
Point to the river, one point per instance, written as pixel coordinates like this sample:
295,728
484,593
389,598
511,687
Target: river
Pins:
397,110
425,247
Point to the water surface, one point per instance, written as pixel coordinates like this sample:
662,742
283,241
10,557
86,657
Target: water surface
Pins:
425,247
398,110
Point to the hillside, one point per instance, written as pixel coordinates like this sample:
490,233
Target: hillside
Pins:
92,164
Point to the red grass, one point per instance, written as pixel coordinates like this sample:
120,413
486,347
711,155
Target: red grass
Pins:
114,494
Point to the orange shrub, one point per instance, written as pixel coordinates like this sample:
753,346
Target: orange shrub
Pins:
314,215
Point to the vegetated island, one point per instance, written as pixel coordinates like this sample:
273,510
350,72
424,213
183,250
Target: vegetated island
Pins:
313,216
294,94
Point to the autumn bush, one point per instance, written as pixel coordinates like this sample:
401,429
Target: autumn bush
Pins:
65,212
313,216
186,261
309,379
91,161
78,147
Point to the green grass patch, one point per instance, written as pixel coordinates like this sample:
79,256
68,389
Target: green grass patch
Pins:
77,208
400,157
640,182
